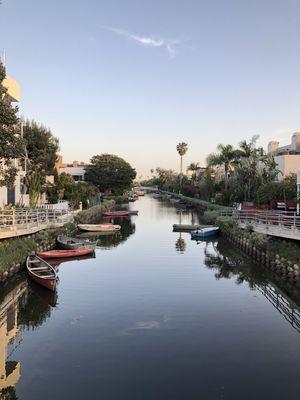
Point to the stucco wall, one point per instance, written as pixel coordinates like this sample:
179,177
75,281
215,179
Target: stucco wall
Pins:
288,164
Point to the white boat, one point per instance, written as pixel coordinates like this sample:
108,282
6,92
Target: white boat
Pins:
99,227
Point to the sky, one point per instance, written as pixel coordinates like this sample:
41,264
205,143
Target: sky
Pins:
135,77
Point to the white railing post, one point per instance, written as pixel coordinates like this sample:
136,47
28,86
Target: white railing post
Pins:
14,219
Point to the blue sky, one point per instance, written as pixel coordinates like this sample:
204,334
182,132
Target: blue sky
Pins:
134,77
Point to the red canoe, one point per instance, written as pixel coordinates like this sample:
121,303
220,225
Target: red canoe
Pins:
116,214
82,251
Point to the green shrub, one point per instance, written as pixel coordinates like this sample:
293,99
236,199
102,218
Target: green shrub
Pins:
259,240
93,215
15,251
227,224
209,217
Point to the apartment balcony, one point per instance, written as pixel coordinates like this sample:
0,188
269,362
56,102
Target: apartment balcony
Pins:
13,89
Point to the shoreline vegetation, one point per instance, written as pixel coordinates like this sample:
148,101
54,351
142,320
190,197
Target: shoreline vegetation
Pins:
280,256
13,252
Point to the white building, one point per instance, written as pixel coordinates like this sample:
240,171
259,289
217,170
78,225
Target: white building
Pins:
14,195
76,169
286,157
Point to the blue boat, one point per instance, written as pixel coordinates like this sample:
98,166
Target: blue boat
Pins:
205,232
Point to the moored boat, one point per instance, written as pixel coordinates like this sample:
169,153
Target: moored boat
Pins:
116,213
133,212
82,251
174,200
205,232
71,243
99,227
41,272
188,228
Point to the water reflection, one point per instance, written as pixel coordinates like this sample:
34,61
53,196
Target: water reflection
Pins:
106,239
230,264
23,305
180,244
10,337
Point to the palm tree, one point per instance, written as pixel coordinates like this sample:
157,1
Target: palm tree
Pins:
226,156
182,148
194,167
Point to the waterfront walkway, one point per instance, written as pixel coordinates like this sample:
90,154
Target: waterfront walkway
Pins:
20,222
273,223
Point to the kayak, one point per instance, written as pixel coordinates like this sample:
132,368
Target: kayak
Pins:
82,251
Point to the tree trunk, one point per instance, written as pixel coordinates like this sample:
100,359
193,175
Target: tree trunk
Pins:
226,176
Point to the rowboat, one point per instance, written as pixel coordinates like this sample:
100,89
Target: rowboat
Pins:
99,227
41,272
205,232
82,251
116,214
70,243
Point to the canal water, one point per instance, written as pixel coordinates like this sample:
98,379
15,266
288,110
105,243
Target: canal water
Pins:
153,316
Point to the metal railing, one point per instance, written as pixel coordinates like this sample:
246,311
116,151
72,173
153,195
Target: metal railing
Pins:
15,219
289,311
287,220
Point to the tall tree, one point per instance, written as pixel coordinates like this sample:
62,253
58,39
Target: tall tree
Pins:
181,148
225,157
41,146
194,167
11,144
41,149
110,173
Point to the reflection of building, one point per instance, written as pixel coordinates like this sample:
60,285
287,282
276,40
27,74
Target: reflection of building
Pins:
76,169
10,335
286,157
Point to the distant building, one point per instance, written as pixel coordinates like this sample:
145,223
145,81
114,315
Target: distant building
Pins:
286,157
76,169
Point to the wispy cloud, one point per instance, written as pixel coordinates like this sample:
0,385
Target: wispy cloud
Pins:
148,41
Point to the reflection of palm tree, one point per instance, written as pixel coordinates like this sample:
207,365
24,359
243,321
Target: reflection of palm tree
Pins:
180,245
